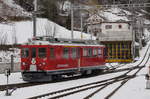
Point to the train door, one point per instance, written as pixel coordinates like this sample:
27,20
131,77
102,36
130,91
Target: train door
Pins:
33,59
25,58
41,58
53,57
75,58
63,58
87,57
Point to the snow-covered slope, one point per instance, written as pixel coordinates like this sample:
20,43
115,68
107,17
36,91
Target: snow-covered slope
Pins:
24,30
8,8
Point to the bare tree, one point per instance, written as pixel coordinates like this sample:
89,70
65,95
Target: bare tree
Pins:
3,39
48,29
14,37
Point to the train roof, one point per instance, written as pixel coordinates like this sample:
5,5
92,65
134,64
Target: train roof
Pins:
39,42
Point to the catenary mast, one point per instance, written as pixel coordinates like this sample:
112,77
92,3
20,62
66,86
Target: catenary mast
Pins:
34,18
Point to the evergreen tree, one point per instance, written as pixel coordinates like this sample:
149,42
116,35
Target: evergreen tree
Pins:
68,22
49,10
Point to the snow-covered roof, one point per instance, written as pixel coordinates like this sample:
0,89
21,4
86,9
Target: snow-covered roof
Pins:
94,19
39,42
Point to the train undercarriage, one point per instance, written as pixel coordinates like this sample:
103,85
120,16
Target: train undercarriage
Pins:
42,76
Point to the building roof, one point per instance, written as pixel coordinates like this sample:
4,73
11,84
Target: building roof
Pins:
95,19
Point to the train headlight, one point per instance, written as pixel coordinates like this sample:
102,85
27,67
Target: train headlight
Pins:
23,63
43,63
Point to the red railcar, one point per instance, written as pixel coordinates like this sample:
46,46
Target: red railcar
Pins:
42,60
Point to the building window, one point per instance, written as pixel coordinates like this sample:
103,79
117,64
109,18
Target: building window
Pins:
66,53
128,26
52,53
95,34
100,30
89,31
108,27
42,52
119,26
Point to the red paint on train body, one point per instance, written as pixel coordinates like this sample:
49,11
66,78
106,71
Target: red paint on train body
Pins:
57,59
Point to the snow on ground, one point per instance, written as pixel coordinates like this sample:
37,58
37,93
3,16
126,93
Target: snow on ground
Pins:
114,17
50,87
13,78
115,14
133,89
11,3
146,32
146,21
5,56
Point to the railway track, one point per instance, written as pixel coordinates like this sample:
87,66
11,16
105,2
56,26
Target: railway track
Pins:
121,83
102,84
113,67
22,85
77,89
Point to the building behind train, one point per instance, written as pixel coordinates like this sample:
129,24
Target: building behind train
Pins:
117,36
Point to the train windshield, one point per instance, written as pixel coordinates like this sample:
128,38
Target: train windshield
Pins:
33,52
42,52
25,52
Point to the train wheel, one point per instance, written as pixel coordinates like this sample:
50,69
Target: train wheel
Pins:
96,72
56,77
87,72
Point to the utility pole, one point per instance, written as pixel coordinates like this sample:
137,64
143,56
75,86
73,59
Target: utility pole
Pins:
81,25
114,2
34,18
72,20
132,19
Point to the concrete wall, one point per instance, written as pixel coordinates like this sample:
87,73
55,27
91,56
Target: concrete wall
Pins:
115,33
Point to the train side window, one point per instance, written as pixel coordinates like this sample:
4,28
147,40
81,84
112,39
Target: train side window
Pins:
42,52
33,52
66,53
95,52
25,52
105,52
52,53
85,52
89,52
74,52
99,52
78,52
